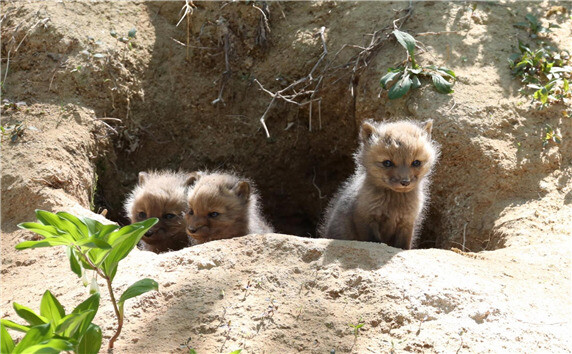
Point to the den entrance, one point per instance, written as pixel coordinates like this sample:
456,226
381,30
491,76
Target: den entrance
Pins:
200,108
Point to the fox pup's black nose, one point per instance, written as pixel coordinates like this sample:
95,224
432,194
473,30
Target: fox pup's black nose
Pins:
405,182
149,233
192,230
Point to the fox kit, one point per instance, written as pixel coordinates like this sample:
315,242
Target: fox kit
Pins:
160,195
384,200
222,206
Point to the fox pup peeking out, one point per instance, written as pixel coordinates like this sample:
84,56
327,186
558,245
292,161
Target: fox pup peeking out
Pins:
384,199
161,195
222,206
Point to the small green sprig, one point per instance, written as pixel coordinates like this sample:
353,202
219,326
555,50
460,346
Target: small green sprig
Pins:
534,27
545,72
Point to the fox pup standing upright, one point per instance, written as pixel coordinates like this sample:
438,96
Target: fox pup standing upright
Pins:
222,206
161,195
384,199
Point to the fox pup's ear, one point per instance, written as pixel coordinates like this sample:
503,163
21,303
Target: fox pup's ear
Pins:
143,177
192,178
367,131
428,126
242,190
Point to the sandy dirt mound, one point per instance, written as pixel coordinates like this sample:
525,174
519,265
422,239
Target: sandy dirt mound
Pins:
98,111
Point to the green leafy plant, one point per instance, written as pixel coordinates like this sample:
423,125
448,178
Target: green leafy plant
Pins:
14,132
550,135
52,330
534,27
127,40
93,246
405,77
545,72
357,327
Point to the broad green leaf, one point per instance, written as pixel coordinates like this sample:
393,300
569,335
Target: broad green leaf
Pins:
139,287
6,342
122,242
400,88
60,223
106,230
35,335
406,40
145,224
513,58
388,78
93,226
523,47
97,256
15,326
90,343
541,95
48,242
446,72
52,346
91,303
74,262
29,316
81,227
94,242
443,71
40,229
415,83
442,85
532,19
51,308
565,85
70,324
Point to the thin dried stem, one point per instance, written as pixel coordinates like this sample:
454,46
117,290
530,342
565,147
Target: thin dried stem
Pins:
291,98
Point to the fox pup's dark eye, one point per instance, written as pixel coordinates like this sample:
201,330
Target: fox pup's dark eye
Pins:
213,214
191,212
142,215
169,216
387,163
416,163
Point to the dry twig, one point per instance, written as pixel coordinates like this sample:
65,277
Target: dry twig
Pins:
297,91
187,11
305,90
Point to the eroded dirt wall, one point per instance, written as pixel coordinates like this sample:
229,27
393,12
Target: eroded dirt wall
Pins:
197,107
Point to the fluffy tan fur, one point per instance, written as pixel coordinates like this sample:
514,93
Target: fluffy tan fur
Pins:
384,200
161,195
222,206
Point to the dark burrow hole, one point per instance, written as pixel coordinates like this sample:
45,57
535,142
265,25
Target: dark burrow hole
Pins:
293,198
177,126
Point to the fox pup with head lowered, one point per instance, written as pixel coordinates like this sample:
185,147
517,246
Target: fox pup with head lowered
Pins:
222,206
385,198
161,195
